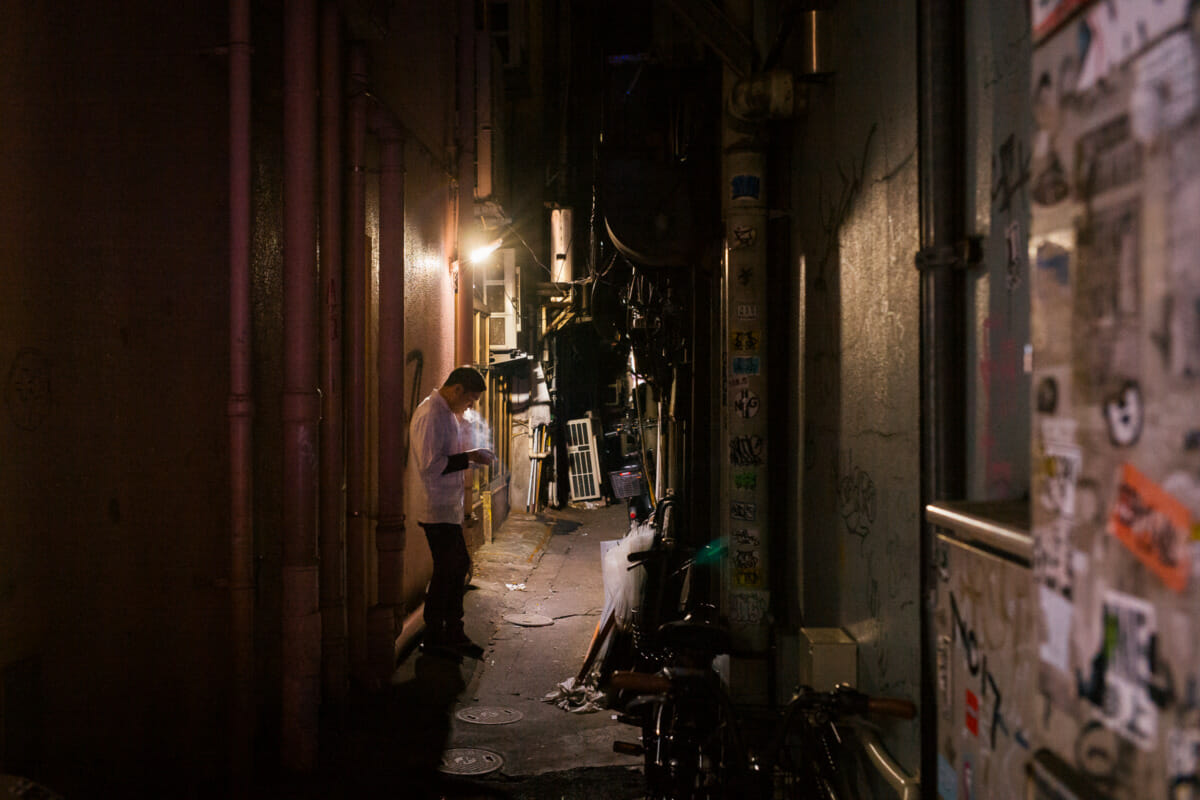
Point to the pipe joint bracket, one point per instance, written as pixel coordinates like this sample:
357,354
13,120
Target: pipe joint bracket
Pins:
240,406
965,254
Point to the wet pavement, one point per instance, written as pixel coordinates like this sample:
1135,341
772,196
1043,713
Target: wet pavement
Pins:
448,727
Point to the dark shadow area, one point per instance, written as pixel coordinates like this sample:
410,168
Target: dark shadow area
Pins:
582,783
560,526
390,741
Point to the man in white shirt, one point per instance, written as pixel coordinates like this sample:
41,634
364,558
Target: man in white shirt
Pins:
436,437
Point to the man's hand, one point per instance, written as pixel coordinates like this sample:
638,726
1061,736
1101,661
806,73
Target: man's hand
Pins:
481,456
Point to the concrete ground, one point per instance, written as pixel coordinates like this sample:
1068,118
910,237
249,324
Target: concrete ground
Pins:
553,561
400,742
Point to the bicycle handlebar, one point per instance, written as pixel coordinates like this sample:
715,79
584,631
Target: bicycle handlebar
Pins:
844,700
892,707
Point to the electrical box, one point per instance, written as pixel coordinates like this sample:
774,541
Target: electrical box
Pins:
828,656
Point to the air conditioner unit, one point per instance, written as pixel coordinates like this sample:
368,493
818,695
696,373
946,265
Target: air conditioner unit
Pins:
502,296
583,457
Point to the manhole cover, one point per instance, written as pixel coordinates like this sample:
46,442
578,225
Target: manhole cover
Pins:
489,715
529,620
470,761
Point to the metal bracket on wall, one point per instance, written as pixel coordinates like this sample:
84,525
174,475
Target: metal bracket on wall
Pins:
965,254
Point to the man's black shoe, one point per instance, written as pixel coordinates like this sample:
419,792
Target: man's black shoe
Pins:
469,650
460,643
442,649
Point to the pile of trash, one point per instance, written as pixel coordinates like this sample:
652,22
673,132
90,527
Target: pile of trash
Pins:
578,698
622,593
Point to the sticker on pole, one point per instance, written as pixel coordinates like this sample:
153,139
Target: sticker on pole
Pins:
746,403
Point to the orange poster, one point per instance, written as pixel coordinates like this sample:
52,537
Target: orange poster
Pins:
1154,526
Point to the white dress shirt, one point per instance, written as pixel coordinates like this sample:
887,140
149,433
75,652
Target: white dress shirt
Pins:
434,435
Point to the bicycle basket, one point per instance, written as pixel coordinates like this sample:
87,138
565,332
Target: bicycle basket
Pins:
626,483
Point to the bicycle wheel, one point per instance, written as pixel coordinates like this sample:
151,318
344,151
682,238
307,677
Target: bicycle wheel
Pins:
811,763
693,752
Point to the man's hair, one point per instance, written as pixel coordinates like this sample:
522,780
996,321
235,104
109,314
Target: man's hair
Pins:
467,377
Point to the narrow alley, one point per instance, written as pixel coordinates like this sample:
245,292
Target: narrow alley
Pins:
885,315
462,728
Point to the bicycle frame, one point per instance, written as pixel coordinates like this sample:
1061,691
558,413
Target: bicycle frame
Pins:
906,787
692,746
814,725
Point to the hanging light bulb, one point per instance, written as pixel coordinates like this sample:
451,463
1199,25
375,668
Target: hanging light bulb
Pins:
482,253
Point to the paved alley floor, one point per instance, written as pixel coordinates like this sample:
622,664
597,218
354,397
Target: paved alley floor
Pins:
535,605
544,571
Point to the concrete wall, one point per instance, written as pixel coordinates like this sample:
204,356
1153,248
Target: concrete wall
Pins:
113,350
854,205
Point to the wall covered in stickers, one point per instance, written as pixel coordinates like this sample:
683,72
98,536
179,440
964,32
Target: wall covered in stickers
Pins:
1115,273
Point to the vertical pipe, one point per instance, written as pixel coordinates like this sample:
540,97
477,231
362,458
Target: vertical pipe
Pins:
387,617
241,403
942,191
942,120
301,404
660,472
744,206
484,152
465,303
356,364
674,432
334,668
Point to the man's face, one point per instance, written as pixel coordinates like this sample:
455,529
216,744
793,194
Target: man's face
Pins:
462,400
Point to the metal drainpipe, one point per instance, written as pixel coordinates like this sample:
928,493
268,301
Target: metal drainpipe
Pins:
387,617
334,668
301,403
744,310
465,300
943,360
356,364
241,403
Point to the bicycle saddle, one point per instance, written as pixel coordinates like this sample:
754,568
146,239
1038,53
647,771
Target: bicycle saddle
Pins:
692,634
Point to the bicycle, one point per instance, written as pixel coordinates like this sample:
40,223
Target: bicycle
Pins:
690,740
809,757
695,749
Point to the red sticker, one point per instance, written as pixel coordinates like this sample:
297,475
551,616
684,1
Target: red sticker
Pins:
1154,526
972,713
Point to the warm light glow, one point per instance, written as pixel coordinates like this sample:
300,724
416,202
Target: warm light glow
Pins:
482,253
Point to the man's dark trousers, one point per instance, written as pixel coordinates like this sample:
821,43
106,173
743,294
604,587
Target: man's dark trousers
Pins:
444,602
